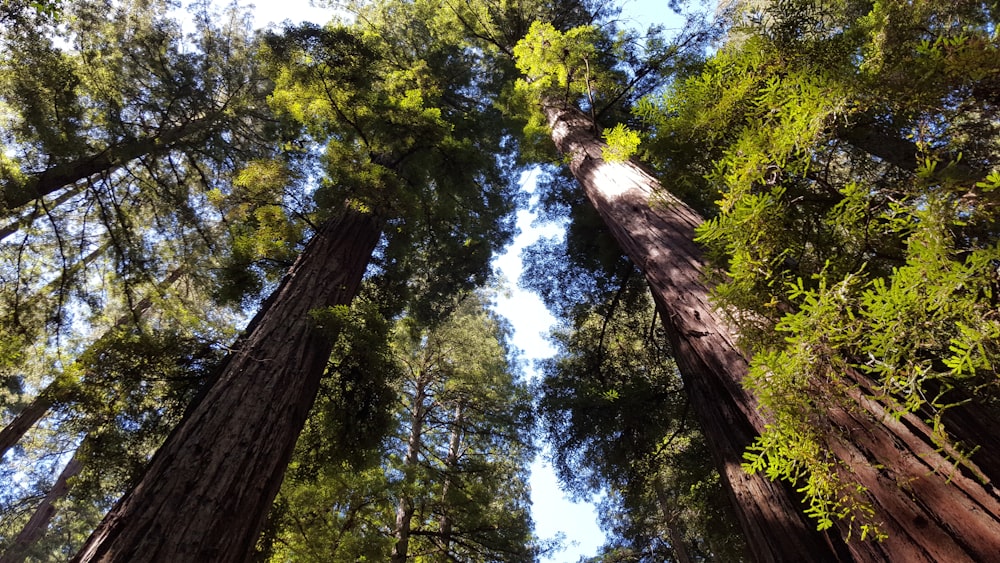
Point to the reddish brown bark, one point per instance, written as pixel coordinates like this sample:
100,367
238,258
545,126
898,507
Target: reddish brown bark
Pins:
28,417
659,239
927,518
207,490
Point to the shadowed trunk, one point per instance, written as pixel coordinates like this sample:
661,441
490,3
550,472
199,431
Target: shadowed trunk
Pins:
668,510
29,218
17,194
207,490
927,518
39,521
404,510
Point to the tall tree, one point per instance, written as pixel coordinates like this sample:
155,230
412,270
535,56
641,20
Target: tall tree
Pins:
108,76
390,151
657,231
615,412
448,483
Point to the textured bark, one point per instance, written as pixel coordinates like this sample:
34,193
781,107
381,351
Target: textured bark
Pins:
404,510
18,194
39,521
207,490
927,517
659,239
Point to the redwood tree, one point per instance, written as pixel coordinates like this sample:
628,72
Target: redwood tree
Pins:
208,488
392,155
657,232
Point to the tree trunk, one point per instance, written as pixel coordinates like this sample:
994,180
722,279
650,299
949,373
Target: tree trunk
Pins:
17,194
207,490
29,218
404,510
59,390
29,416
39,521
450,467
660,241
667,508
928,516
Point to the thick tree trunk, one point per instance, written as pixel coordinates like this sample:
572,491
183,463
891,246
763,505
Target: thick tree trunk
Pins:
404,510
39,521
659,239
207,490
929,516
17,194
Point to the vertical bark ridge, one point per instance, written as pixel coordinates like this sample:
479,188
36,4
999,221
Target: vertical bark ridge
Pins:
660,241
208,488
932,511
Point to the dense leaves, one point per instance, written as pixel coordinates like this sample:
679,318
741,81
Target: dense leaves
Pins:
849,146
448,480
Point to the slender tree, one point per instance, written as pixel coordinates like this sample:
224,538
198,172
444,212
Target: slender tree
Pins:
448,483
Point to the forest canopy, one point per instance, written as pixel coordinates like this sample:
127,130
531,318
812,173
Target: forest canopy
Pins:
247,290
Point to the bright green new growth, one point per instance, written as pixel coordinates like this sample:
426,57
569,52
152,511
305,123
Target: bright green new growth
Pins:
851,253
622,143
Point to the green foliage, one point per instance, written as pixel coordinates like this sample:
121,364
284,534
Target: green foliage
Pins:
555,61
261,229
353,409
340,497
389,102
622,143
854,227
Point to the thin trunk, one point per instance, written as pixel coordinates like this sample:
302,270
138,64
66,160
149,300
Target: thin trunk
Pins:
39,521
929,512
29,218
207,490
450,466
404,510
902,153
670,522
59,389
18,194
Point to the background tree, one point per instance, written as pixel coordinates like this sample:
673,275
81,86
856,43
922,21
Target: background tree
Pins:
449,482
